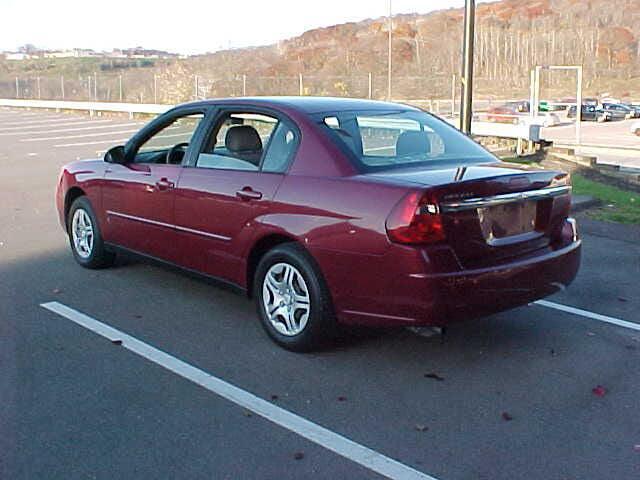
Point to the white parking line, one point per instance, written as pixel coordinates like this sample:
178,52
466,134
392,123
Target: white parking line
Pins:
313,432
114,140
183,134
77,129
588,314
40,127
78,136
37,122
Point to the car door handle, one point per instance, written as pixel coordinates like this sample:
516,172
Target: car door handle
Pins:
247,193
164,184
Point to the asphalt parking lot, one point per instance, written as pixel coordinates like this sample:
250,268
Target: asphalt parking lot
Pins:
535,393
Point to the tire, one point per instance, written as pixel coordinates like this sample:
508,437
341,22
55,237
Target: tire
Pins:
283,276
88,248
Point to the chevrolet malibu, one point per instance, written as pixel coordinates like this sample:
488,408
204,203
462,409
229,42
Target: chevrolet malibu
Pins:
327,212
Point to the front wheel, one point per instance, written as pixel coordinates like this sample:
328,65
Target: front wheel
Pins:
292,299
85,237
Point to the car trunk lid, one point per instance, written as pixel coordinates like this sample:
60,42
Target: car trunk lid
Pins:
494,212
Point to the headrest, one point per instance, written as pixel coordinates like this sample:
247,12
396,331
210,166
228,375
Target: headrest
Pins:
413,143
242,138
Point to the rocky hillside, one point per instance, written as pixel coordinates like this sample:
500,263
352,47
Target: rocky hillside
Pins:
512,36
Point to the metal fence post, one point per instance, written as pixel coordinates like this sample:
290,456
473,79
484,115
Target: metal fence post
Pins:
196,87
95,86
62,86
453,96
370,86
120,86
244,85
300,84
155,88
17,88
39,91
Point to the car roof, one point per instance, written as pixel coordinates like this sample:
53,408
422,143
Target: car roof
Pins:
309,105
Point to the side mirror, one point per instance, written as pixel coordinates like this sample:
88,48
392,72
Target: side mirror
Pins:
115,155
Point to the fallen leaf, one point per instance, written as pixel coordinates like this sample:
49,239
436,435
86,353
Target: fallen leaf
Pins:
137,316
622,299
274,397
421,428
298,455
342,399
599,390
506,417
434,376
116,342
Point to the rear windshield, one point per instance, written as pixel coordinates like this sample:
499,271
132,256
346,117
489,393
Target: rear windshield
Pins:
381,140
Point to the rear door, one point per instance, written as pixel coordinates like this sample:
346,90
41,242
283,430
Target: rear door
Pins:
139,196
229,186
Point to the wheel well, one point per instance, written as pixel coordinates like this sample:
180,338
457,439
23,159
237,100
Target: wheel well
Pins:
259,249
70,197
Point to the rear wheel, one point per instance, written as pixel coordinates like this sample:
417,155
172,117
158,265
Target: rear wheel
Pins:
292,299
85,237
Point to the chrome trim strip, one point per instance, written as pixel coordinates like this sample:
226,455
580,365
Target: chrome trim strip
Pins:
481,202
168,225
204,234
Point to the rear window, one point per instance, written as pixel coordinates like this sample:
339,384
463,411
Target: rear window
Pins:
400,139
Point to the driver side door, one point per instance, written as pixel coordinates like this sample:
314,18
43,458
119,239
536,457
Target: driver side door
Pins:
138,196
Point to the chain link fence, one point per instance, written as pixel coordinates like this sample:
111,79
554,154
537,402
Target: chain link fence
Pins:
439,93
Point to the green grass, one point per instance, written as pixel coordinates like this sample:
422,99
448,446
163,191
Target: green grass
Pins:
617,205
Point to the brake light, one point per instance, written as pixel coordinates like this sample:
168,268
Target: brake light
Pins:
415,220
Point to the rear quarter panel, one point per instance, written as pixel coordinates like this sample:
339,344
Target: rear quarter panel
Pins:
341,222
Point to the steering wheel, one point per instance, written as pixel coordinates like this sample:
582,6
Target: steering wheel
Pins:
174,149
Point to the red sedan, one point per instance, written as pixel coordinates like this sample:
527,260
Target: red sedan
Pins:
326,212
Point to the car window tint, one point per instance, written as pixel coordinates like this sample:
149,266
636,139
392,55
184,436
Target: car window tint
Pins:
400,139
282,145
181,130
238,142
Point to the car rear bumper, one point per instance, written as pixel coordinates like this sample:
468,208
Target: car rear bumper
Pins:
444,298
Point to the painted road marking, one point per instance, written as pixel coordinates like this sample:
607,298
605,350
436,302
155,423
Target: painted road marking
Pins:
76,129
588,314
102,134
313,432
185,134
39,122
91,143
40,127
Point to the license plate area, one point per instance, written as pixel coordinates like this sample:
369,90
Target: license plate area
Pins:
509,222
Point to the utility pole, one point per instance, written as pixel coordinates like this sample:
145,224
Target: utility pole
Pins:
466,106
389,55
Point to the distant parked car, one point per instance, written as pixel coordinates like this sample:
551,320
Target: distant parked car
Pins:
635,108
589,114
619,111
511,112
635,128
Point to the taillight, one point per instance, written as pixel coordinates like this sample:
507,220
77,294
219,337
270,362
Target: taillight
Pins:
415,220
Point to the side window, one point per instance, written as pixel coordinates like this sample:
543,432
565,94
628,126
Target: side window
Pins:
247,141
283,144
176,135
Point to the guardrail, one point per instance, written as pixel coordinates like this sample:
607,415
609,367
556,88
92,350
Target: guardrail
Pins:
528,132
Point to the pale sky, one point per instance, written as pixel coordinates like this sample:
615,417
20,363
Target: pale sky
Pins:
183,26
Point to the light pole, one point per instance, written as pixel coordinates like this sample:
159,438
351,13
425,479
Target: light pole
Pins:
466,112
389,55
